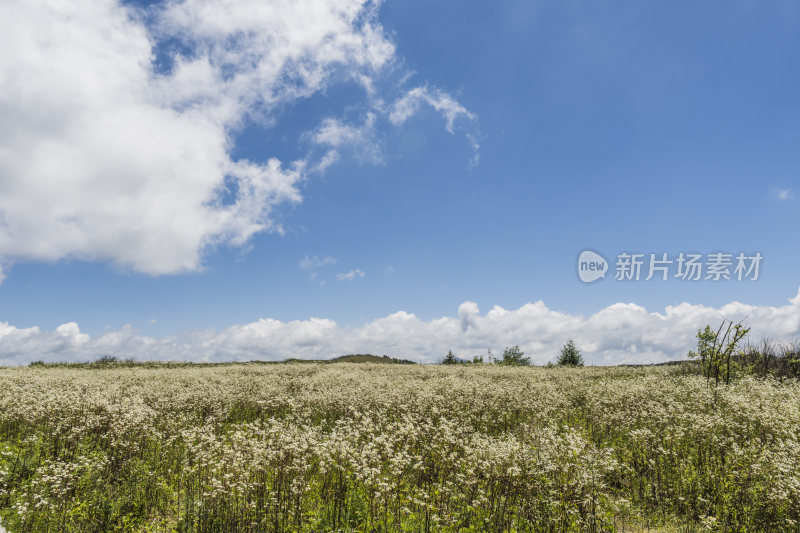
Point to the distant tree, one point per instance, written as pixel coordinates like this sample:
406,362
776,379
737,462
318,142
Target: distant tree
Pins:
570,355
515,357
477,359
450,359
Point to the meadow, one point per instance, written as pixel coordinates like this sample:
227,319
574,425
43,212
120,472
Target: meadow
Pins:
368,447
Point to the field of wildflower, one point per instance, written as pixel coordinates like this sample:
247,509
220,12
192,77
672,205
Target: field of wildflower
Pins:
364,447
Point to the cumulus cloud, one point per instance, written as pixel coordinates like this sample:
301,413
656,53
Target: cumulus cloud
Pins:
71,334
119,124
619,333
350,276
467,314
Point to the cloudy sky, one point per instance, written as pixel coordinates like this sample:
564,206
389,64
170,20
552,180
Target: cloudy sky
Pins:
235,180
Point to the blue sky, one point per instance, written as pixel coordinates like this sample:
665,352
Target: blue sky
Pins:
537,130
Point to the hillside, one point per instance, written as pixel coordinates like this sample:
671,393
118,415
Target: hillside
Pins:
357,358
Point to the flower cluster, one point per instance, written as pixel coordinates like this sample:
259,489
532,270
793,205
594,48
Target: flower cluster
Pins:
315,447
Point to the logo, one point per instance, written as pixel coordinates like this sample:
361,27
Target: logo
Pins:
684,266
591,266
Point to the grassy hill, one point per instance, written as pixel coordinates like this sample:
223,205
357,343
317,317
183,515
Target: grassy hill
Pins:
357,358
108,361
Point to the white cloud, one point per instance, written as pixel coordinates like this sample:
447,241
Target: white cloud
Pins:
107,156
410,103
796,300
619,333
783,194
350,276
467,314
71,333
476,150
313,263
329,158
361,138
